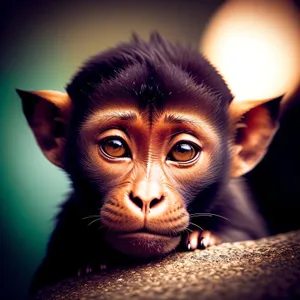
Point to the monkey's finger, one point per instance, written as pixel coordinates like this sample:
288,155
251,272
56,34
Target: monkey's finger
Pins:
192,240
204,239
208,239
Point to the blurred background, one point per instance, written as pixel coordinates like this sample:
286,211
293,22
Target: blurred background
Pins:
44,43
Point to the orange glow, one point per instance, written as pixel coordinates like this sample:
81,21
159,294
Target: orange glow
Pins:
256,47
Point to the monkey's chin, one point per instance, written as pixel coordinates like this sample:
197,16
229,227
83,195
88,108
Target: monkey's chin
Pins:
143,244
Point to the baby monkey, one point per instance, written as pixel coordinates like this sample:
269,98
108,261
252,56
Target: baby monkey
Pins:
154,145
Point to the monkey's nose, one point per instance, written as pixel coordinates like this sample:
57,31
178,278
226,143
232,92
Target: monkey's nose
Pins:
144,205
146,196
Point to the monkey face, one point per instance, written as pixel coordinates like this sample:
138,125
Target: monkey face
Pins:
152,169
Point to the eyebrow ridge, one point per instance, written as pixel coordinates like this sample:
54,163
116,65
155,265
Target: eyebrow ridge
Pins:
171,118
123,116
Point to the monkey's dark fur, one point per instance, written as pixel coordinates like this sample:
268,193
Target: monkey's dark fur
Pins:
150,72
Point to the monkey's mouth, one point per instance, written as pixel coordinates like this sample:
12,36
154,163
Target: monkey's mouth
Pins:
143,243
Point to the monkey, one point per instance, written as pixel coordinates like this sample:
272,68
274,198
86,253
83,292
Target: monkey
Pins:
155,147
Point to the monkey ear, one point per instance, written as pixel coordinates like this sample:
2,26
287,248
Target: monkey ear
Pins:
48,113
254,123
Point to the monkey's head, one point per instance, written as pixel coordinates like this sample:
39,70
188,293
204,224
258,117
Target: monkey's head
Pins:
148,133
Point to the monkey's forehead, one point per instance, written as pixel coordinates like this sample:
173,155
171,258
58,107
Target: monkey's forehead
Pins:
165,90
152,108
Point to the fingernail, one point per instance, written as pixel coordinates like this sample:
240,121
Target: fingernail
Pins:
204,242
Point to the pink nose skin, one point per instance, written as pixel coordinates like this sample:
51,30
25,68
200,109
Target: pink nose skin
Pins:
147,196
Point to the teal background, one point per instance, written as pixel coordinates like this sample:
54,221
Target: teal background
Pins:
43,44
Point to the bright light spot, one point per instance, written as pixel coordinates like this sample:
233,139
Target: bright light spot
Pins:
256,47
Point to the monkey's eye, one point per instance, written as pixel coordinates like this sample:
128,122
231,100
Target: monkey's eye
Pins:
183,152
114,147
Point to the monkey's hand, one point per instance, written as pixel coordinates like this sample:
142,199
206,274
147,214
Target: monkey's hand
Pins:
201,240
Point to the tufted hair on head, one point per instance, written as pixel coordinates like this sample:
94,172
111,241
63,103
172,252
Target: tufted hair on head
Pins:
142,60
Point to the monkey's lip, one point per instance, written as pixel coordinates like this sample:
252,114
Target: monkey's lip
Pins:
142,243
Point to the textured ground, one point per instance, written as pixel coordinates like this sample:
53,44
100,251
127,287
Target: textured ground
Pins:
264,269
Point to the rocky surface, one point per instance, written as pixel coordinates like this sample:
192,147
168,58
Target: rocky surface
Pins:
265,269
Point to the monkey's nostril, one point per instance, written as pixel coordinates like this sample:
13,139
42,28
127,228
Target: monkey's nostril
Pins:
142,204
137,201
155,201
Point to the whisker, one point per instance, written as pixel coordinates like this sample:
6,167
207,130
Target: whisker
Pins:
208,215
197,226
91,216
102,226
188,230
93,221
